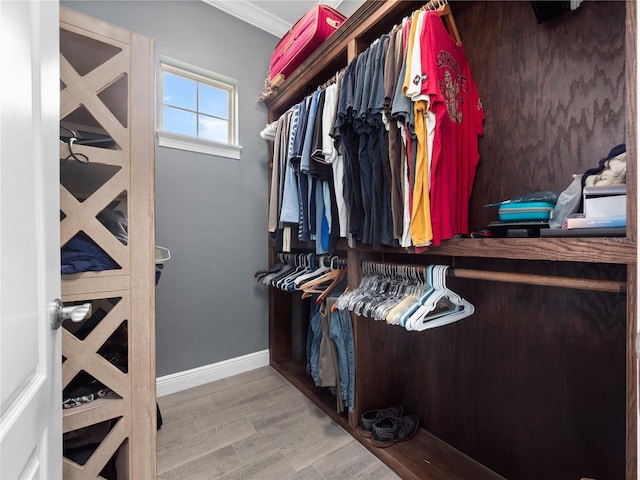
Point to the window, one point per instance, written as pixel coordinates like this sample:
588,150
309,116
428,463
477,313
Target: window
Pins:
197,110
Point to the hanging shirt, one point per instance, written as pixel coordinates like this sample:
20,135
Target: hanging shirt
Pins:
420,223
382,223
392,67
402,111
307,224
421,228
274,194
415,75
333,157
290,210
459,121
351,140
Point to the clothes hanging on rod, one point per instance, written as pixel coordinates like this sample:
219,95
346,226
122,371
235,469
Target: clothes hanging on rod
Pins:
417,298
330,345
330,352
444,10
386,155
400,294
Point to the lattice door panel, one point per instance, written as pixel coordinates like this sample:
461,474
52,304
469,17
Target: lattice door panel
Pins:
99,458
96,380
95,161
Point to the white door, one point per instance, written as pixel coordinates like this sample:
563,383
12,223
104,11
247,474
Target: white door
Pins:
30,355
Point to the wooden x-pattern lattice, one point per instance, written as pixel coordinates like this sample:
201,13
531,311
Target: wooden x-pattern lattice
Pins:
83,91
102,454
83,216
83,355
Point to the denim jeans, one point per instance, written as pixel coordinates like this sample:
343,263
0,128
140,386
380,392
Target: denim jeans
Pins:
341,333
314,337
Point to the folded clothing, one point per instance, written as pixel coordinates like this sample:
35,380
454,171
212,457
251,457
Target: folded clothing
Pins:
81,254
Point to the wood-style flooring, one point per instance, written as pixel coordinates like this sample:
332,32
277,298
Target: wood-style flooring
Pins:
256,426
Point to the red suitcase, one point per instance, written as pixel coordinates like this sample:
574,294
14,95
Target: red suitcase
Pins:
303,38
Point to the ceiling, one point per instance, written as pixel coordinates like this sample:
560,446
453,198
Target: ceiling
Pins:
277,17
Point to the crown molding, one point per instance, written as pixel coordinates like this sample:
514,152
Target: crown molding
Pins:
251,13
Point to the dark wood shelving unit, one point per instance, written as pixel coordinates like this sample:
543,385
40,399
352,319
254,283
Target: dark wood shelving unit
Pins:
541,382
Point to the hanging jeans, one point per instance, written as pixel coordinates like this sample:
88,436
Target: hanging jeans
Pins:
314,337
341,333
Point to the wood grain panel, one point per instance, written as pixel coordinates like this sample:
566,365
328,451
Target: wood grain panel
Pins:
632,219
279,326
553,95
631,70
517,382
536,372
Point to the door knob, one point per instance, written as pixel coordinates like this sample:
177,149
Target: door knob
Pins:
58,313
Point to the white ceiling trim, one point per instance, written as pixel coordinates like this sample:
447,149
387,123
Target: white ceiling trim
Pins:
258,17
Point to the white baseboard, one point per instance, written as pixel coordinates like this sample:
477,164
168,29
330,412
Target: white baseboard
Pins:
195,377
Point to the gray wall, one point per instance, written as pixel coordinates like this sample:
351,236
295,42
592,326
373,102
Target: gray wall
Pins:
211,212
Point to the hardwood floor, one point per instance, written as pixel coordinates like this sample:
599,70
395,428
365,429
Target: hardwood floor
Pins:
256,426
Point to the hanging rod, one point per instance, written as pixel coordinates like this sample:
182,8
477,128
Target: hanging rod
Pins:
434,4
612,286
443,7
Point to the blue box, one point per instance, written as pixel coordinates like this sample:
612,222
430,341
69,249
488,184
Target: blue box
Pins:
525,211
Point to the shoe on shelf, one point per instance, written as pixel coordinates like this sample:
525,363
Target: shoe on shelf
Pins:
368,419
390,430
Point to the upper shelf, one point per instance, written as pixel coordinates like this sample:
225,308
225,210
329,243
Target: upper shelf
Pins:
371,20
613,250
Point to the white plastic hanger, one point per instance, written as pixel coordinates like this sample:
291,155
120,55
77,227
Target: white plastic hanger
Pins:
461,307
314,273
415,297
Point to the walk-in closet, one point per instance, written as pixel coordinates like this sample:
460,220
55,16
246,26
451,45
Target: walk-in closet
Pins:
523,366
540,380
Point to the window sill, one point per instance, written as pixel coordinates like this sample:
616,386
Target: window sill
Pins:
198,145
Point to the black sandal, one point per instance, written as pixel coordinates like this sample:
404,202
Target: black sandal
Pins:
369,419
390,430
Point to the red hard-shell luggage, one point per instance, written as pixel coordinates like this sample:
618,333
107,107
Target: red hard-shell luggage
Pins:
303,38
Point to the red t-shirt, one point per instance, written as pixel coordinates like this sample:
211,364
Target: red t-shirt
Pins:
459,121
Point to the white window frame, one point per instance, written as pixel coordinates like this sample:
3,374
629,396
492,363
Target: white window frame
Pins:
195,144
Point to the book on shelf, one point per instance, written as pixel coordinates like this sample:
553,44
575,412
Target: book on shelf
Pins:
584,232
597,222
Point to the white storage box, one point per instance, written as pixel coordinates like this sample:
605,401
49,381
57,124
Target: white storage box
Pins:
608,201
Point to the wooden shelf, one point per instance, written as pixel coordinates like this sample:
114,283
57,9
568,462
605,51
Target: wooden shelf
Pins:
429,457
332,54
614,250
92,282
424,456
99,410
